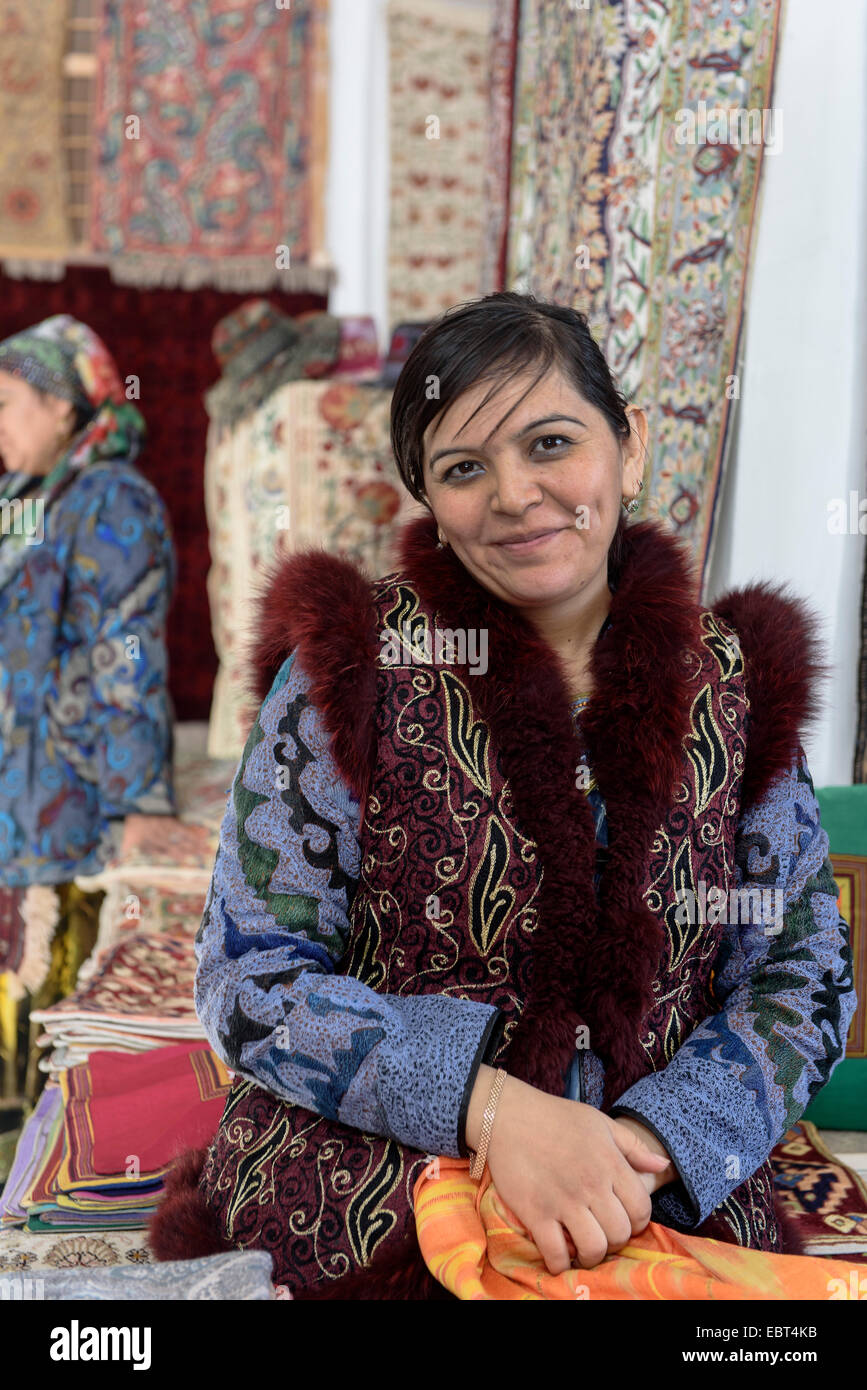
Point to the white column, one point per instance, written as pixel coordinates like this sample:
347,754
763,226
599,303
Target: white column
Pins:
357,189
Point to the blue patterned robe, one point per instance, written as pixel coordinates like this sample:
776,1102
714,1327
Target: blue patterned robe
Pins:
85,715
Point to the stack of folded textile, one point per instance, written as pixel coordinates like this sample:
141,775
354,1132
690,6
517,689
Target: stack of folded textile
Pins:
95,1152
153,883
131,1079
138,996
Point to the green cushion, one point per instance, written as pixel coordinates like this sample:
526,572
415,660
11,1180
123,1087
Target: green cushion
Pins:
842,1103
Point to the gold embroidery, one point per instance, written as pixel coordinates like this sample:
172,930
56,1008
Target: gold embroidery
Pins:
363,962
468,737
367,1221
490,900
726,649
681,930
706,750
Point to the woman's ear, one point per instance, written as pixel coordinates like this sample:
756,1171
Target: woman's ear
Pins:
635,447
64,415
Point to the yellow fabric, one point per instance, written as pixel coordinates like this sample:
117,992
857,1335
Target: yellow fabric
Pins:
72,943
474,1245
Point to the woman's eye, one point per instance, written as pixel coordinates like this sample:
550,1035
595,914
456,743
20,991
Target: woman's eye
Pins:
558,440
464,463
545,438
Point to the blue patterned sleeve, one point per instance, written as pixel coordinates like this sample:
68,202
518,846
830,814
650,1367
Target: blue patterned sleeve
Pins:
272,936
746,1075
121,572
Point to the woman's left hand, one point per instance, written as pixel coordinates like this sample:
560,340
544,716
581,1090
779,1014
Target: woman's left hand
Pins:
651,1181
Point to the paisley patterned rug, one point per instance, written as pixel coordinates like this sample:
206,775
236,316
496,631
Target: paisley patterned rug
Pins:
211,129
634,190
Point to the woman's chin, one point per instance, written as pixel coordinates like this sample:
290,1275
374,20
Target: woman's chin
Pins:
541,589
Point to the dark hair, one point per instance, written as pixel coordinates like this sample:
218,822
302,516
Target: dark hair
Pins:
486,340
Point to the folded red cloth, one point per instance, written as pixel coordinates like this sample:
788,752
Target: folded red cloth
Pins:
139,1110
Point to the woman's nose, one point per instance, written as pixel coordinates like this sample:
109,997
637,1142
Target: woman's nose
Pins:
513,488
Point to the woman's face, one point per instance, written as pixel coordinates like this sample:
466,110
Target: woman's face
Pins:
553,467
33,428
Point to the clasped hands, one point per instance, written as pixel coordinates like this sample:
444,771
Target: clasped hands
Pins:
578,1181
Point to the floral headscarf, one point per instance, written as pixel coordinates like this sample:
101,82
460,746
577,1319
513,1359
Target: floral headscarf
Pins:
66,358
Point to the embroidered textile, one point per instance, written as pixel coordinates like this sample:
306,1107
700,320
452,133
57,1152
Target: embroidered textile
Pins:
28,1252
312,466
37,1137
149,1106
212,135
504,55
84,719
439,62
271,917
61,930
240,1277
33,218
642,215
137,995
113,1111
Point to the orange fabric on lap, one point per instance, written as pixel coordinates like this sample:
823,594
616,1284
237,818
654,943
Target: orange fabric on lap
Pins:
474,1245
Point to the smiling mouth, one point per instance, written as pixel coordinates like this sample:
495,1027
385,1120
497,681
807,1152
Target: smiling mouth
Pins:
535,542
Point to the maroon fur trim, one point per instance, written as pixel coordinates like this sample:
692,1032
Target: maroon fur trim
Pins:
779,638
525,700
183,1227
634,725
322,605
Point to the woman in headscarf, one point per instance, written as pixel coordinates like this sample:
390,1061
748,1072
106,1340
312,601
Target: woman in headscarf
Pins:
522,859
86,573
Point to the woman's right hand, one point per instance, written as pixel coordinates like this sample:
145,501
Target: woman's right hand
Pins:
562,1168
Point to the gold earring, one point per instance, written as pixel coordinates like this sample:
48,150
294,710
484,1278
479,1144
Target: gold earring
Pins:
441,544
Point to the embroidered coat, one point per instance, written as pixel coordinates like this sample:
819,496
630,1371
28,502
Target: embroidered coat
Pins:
472,805
85,716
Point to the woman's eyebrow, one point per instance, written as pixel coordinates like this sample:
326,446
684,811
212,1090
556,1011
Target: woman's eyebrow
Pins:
533,425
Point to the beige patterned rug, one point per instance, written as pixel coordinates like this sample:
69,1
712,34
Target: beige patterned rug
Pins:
32,179
438,136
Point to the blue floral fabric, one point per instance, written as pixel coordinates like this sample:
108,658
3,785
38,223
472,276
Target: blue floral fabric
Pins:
85,717
274,1008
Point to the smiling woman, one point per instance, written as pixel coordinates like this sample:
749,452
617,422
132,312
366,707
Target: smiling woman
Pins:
444,917
531,513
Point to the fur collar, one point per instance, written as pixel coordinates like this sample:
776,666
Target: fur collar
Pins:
634,726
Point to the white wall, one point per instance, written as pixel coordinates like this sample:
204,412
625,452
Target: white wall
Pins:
801,436
357,189
802,432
